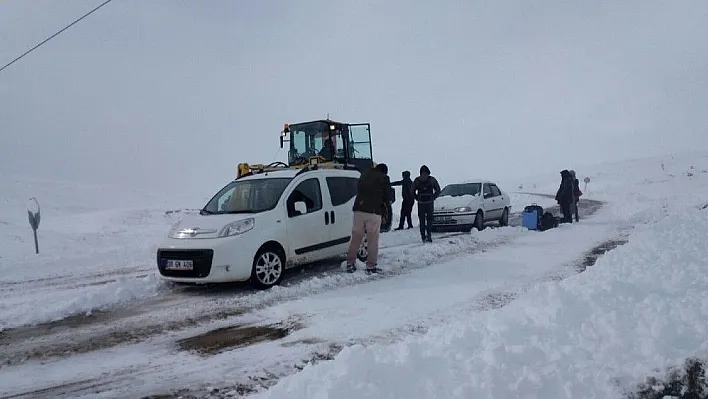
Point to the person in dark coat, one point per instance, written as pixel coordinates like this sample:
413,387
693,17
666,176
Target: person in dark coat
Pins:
565,196
576,194
425,190
373,190
407,206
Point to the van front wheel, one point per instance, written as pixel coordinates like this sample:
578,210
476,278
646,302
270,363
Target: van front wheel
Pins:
268,268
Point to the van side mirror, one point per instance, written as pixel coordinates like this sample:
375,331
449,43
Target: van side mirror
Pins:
301,207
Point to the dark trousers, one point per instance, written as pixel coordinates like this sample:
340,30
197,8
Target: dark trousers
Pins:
567,214
574,209
425,216
406,210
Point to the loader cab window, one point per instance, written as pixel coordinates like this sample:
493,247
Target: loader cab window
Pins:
360,141
327,150
299,145
316,138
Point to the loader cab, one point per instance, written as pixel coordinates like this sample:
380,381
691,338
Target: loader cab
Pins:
341,143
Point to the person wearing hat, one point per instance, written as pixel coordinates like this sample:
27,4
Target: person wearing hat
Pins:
407,193
374,189
425,190
576,194
565,196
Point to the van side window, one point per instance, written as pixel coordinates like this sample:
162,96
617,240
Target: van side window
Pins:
342,189
495,191
309,192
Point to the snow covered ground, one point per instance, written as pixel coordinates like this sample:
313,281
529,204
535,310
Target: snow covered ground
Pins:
481,313
641,307
96,243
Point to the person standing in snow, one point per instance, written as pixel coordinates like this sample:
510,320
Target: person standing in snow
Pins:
374,189
565,196
407,192
425,190
576,196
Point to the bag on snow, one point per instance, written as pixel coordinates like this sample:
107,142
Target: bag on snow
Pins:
531,217
548,221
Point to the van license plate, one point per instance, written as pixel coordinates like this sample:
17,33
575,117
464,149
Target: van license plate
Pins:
179,264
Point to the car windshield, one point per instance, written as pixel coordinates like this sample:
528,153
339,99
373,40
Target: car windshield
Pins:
457,190
247,196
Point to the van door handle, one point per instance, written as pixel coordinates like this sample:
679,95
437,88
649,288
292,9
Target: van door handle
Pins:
326,217
332,217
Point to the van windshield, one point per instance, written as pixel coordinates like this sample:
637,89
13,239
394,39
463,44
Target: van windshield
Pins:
247,196
456,190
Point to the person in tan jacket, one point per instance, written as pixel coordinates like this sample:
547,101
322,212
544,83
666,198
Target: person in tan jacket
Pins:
373,191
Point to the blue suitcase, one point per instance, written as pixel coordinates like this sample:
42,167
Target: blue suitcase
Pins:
531,217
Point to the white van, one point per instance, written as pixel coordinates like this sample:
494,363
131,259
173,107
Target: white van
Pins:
257,226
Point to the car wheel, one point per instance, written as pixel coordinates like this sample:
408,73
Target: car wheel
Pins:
268,268
479,221
504,220
363,251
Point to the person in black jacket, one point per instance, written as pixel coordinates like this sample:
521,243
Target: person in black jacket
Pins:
374,190
425,190
407,192
565,196
576,196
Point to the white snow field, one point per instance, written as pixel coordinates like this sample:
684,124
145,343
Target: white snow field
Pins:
96,247
498,313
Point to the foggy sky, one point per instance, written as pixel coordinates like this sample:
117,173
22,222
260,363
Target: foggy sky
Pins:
171,95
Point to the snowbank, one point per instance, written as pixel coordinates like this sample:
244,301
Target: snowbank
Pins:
642,306
33,308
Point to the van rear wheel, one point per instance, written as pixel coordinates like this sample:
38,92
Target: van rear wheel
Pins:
268,268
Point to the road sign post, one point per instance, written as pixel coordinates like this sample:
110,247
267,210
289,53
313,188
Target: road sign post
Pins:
33,213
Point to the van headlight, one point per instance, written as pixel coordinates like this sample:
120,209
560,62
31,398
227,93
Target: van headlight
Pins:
173,230
236,228
463,209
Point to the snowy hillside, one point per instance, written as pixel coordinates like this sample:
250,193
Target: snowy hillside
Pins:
498,313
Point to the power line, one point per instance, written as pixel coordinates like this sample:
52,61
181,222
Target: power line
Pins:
54,35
